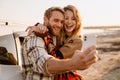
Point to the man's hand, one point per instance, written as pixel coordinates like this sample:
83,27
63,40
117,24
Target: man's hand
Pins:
83,60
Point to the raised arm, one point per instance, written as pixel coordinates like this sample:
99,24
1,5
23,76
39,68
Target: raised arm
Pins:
79,61
37,28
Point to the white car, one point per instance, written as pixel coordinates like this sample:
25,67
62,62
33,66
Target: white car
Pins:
10,57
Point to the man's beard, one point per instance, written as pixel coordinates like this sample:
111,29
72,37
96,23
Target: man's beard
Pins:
51,32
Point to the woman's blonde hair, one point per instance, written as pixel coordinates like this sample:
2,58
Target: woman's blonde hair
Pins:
78,27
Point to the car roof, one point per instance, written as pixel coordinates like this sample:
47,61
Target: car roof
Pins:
5,30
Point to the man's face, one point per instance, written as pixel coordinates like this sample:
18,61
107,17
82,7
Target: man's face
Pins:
55,23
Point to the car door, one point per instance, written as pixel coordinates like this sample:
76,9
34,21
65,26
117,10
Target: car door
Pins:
10,68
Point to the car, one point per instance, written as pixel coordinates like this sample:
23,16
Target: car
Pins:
10,55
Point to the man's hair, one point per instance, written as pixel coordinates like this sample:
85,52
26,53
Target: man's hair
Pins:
48,12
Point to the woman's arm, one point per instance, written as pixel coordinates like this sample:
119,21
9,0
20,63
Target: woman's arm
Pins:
38,28
70,46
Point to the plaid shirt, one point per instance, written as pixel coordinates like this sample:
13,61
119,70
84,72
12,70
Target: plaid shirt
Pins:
34,56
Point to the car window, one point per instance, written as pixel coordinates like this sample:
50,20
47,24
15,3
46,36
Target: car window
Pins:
8,50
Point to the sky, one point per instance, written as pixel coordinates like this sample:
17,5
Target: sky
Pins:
93,12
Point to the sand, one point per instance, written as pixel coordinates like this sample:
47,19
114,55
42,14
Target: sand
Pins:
108,65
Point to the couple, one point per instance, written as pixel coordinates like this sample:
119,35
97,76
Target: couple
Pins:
56,55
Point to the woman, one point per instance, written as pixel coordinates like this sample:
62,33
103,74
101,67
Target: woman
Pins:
71,34
69,40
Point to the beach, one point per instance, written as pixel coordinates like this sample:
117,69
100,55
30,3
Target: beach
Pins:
108,65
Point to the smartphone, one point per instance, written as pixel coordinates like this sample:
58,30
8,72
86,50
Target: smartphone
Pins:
88,41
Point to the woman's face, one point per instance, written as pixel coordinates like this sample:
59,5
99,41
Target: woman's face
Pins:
70,22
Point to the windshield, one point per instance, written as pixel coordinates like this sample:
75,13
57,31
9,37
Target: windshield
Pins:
8,49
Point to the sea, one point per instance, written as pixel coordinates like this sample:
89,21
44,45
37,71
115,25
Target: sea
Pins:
99,30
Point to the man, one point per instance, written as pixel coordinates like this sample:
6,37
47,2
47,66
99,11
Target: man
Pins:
38,64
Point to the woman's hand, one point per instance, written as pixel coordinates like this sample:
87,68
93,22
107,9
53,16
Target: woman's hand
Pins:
37,28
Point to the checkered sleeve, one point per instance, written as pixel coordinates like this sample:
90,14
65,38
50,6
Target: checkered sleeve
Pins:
35,54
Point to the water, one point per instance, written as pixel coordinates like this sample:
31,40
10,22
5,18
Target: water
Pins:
92,31
99,31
